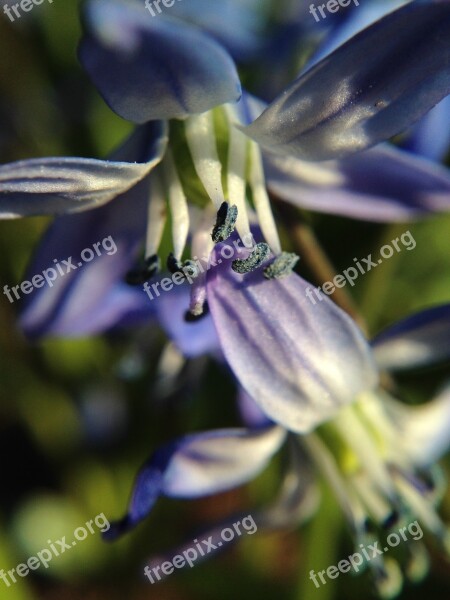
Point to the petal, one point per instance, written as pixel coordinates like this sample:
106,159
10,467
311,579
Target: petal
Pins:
44,186
431,136
380,184
299,360
89,298
296,502
251,413
424,429
154,68
370,89
235,24
199,465
416,341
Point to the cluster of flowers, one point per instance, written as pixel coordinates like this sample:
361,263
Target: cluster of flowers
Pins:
305,373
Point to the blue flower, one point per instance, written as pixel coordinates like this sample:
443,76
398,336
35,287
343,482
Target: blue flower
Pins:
377,455
301,363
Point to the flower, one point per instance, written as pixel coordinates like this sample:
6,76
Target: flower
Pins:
166,69
377,455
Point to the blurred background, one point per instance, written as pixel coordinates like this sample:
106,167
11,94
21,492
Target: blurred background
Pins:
78,417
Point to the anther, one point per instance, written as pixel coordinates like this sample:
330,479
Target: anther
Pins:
192,317
141,275
225,223
259,254
188,268
281,266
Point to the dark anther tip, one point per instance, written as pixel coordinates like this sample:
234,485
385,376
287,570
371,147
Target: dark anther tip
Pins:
140,275
190,317
225,223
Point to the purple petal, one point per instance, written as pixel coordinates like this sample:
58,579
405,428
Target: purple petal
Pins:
370,89
416,341
381,184
300,361
154,68
91,297
45,186
431,136
199,465
251,414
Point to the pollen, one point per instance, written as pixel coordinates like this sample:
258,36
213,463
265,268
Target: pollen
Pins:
226,222
281,266
259,254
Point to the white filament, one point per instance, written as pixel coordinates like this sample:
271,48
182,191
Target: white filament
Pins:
261,200
178,206
157,217
201,139
236,175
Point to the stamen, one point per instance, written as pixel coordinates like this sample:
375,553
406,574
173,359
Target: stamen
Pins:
349,502
419,505
380,510
178,205
281,266
140,275
360,439
238,145
157,216
259,254
389,579
226,222
418,564
188,268
261,200
191,317
201,139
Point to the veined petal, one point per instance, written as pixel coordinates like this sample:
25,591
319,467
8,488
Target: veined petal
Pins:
45,186
425,429
368,90
85,299
199,465
299,361
416,341
154,68
381,184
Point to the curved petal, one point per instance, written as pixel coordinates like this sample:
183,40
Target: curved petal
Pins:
418,340
299,360
85,299
199,465
425,429
45,186
370,89
154,68
381,184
